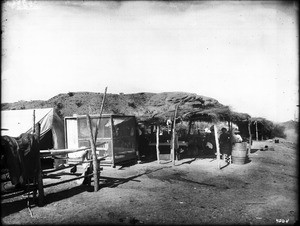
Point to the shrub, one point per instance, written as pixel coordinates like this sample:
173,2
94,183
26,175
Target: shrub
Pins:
278,131
59,113
78,103
70,94
131,104
59,105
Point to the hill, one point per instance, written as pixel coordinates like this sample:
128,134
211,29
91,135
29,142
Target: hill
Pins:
290,125
138,104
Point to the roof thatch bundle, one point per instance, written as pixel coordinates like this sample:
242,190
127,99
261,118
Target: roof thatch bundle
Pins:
215,114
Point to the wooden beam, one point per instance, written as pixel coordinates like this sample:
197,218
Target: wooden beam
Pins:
45,153
95,162
217,145
157,143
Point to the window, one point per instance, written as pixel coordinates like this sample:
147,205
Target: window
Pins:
104,130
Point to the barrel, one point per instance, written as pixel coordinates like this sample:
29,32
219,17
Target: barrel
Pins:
239,153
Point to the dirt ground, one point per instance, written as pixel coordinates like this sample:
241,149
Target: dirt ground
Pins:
194,191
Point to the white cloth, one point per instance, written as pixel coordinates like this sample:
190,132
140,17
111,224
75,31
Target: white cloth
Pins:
209,145
237,138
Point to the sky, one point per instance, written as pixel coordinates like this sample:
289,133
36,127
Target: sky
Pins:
242,53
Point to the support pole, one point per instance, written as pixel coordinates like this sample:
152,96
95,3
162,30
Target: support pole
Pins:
174,135
95,162
190,126
217,145
98,121
33,120
39,172
256,131
250,136
113,154
157,143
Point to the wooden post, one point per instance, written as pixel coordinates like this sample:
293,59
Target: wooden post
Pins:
137,148
33,119
39,168
98,121
174,135
190,126
217,145
250,136
95,162
256,131
157,143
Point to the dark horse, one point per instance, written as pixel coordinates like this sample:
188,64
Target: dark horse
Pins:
21,156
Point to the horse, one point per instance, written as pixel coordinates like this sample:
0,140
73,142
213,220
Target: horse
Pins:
21,156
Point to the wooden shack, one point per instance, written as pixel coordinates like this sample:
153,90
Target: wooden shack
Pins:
116,136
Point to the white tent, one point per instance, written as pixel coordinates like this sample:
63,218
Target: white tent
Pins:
15,122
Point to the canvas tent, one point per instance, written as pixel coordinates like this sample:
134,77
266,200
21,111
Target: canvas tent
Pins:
15,122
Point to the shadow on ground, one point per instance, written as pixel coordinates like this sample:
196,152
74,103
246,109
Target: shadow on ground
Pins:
111,182
254,150
20,204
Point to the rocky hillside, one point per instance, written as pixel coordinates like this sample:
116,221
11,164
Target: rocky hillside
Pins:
290,125
141,105
138,104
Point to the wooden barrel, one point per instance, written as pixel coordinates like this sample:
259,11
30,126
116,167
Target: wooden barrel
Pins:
239,153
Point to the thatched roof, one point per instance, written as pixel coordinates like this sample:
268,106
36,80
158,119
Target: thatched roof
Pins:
192,107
